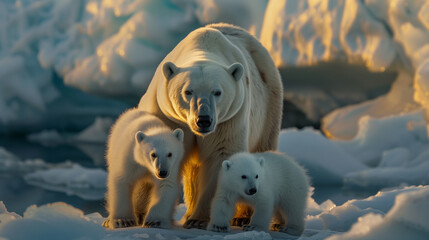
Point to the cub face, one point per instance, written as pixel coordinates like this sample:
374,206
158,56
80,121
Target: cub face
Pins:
205,94
160,151
242,173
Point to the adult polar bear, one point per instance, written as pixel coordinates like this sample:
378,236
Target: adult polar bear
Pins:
220,86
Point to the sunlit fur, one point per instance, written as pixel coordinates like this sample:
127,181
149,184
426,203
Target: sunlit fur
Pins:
281,187
140,146
246,116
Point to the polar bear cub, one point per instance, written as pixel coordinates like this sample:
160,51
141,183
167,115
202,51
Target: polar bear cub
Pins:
272,183
143,158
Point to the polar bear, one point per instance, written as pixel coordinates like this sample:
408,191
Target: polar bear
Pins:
271,183
142,151
220,86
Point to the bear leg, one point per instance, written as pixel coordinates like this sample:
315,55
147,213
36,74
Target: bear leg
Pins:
119,204
206,188
163,201
242,215
261,217
141,199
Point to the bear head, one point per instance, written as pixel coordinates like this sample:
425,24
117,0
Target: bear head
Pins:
242,172
159,151
204,94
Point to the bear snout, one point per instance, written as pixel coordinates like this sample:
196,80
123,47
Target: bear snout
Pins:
162,174
204,121
251,191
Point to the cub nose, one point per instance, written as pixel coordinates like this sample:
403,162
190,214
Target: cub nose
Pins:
162,174
204,121
252,191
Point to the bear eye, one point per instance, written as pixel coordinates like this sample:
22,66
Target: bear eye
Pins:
256,176
243,177
188,92
169,154
217,93
153,155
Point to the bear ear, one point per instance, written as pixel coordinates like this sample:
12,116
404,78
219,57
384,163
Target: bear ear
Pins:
169,70
140,136
178,133
261,161
226,164
236,70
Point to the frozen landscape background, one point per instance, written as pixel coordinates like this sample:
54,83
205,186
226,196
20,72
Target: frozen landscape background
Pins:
356,80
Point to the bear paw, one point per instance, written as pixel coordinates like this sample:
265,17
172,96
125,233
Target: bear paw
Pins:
239,222
219,228
119,223
277,227
251,228
155,224
195,223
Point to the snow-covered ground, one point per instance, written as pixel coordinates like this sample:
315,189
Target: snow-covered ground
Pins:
393,214
68,68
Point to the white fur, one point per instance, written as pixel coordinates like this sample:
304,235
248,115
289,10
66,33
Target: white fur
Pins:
223,72
138,149
281,189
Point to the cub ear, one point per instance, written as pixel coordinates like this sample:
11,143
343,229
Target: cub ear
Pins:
226,164
169,70
261,161
236,70
140,136
178,133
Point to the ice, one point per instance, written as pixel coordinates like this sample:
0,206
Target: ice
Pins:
326,162
309,32
87,183
9,164
407,219
52,221
386,152
102,47
342,123
391,214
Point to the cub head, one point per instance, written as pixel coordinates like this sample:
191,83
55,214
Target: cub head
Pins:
242,173
204,94
159,152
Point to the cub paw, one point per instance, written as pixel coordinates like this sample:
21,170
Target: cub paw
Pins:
219,228
194,223
251,228
119,223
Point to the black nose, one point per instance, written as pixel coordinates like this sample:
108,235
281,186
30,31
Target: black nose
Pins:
204,121
162,174
252,191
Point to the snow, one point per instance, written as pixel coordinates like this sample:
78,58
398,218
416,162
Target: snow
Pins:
391,214
52,221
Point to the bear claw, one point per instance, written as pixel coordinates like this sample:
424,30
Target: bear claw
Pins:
119,223
239,222
152,224
216,228
250,228
194,223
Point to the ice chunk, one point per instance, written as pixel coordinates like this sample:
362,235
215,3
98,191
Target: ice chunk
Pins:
52,221
76,180
325,161
406,220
